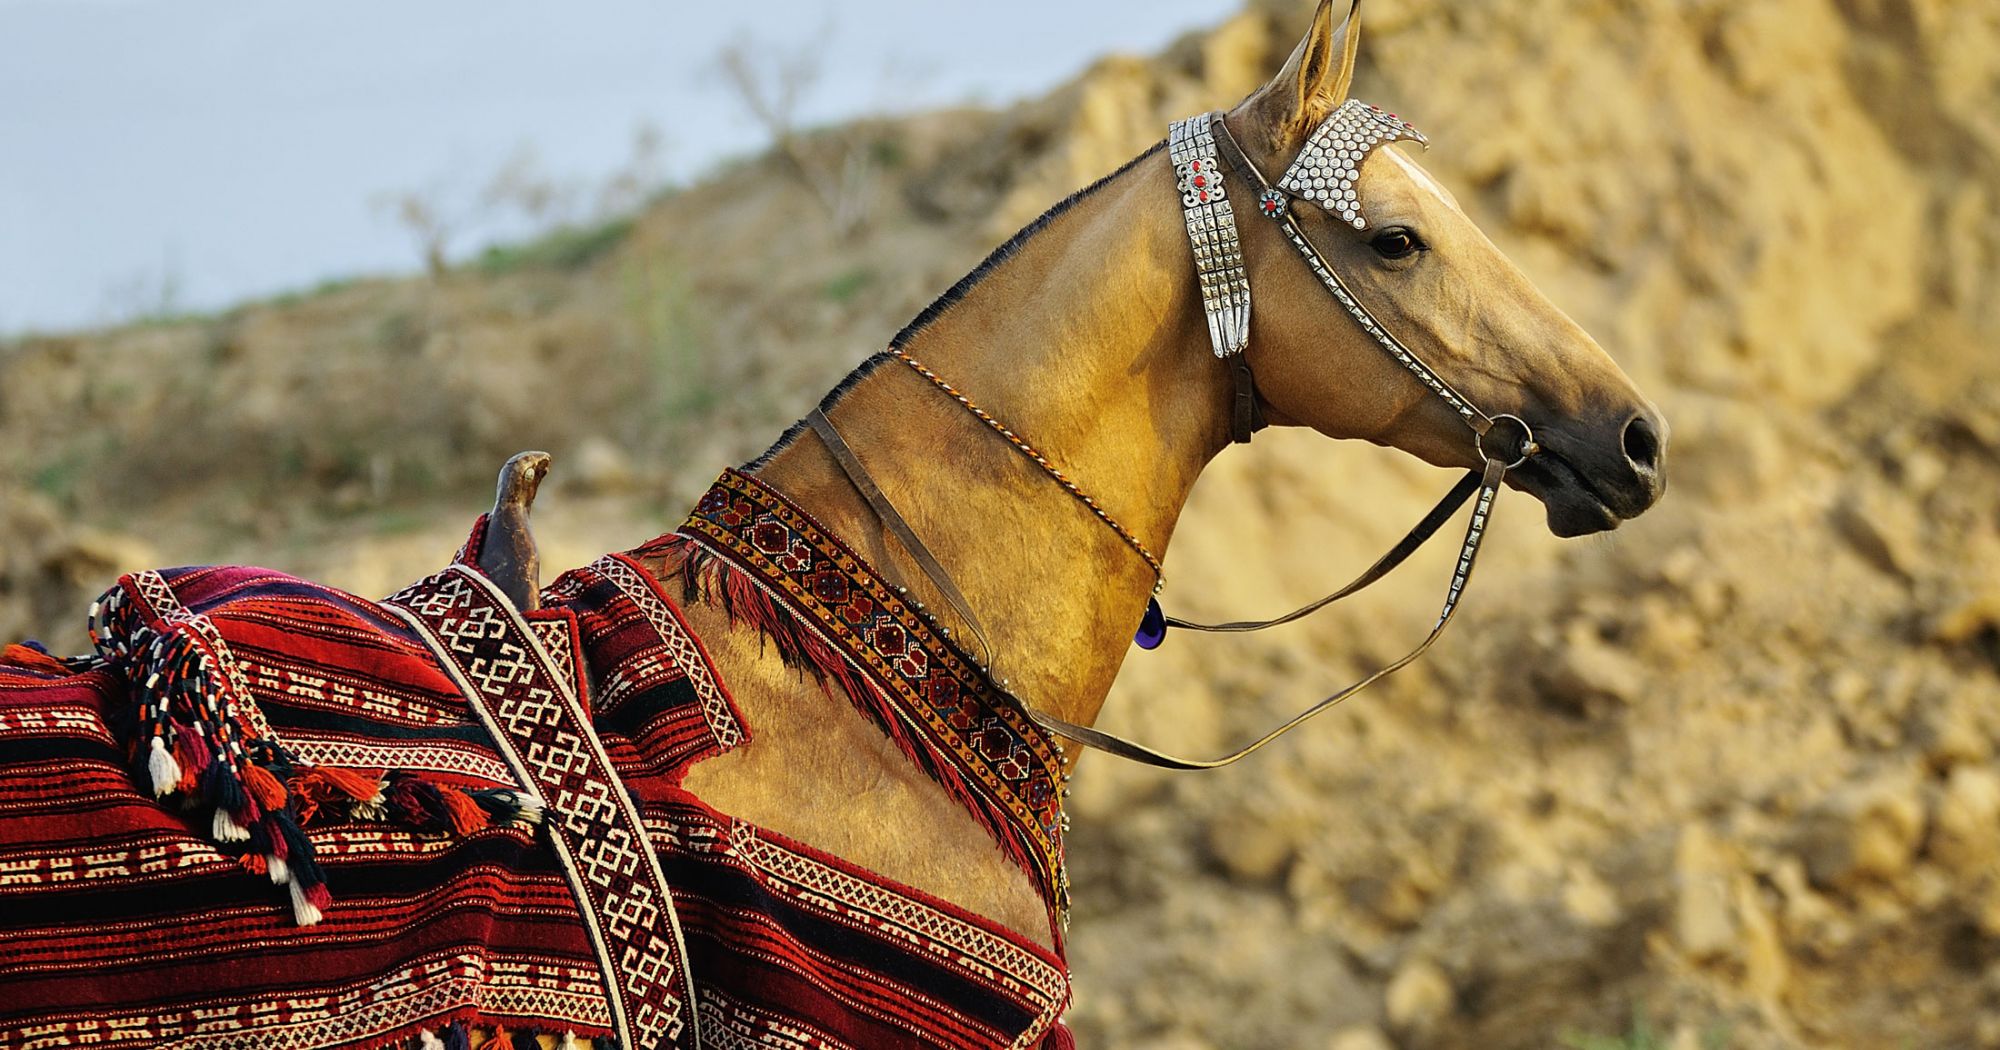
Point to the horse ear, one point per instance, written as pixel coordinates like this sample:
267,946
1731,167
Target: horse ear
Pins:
1315,79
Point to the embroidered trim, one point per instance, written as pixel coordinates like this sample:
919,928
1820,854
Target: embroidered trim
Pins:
927,695
539,724
682,647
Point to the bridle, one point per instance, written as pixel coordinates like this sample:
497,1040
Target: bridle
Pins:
1323,175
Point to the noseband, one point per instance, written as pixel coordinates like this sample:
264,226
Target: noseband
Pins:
1324,175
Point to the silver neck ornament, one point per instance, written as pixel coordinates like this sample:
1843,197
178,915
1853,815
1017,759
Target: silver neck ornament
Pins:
1211,227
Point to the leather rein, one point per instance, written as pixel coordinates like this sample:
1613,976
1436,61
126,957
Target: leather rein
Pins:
1481,485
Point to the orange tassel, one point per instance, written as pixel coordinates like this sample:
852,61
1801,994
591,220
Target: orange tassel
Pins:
22,656
264,787
355,785
253,863
466,816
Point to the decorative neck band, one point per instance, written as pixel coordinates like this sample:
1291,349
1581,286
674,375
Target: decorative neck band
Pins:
1211,227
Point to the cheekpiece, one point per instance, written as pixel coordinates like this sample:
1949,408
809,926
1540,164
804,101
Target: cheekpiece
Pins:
1327,169
1211,227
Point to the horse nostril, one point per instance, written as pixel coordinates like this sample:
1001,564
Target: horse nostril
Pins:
1642,443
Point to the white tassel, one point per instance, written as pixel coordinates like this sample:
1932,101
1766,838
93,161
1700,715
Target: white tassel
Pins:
428,1041
304,912
374,809
569,1042
227,829
279,871
166,772
531,808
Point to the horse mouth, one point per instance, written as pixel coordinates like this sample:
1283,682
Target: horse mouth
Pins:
1575,506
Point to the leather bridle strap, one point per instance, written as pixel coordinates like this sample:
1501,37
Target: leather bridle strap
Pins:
864,483
1486,483
1419,534
1245,417
1246,413
1488,486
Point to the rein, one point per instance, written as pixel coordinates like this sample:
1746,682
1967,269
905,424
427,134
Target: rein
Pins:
1322,175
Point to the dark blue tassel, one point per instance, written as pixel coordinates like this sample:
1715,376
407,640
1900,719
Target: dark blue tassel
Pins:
1152,626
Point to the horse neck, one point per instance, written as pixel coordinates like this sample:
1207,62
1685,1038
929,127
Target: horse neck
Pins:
1087,340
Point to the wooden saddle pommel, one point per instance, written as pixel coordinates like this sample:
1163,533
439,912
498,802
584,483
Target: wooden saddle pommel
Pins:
507,555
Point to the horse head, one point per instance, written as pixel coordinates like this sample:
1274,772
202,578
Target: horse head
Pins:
1414,259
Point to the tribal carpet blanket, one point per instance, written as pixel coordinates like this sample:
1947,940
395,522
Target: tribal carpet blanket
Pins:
270,814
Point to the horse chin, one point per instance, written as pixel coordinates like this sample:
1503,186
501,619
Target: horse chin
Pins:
1574,507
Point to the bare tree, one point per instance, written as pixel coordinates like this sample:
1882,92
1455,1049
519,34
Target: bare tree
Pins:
770,83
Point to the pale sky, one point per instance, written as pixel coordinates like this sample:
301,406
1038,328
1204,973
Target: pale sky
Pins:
230,148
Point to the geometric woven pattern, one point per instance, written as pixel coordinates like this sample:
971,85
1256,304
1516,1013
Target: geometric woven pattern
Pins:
918,686
540,724
126,922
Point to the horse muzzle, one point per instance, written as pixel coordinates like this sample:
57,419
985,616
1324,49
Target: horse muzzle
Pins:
1592,480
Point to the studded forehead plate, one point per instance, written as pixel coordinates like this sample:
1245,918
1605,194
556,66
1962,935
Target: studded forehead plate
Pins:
1211,227
1327,170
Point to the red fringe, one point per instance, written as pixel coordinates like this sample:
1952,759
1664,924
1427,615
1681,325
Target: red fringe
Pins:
707,578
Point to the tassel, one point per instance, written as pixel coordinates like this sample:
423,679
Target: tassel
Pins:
358,786
33,657
220,786
298,851
524,1041
275,866
508,806
428,1041
264,787
226,829
304,911
415,803
193,755
254,863
569,1042
166,772
466,816
455,1037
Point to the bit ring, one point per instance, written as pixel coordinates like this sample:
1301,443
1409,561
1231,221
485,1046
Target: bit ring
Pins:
1526,447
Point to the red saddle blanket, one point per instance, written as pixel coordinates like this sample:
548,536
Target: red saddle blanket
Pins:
271,814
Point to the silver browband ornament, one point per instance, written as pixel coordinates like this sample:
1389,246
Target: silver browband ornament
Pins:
1325,173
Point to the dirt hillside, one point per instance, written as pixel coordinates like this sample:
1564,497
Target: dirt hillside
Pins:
1727,778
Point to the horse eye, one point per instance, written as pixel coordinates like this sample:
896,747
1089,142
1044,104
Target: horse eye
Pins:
1396,242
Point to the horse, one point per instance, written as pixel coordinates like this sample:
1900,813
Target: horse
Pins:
874,639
